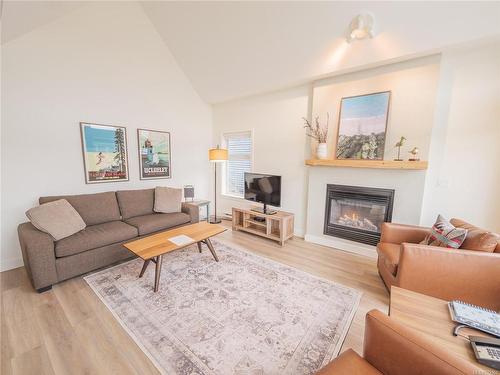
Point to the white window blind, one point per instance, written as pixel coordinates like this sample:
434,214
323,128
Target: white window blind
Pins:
239,146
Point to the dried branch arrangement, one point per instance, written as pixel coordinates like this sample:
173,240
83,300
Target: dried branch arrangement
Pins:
316,131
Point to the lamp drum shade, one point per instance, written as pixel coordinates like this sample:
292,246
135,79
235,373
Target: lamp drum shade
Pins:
217,154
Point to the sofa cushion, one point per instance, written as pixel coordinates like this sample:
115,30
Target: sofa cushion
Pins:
95,236
152,223
58,218
389,255
477,239
167,200
93,208
136,202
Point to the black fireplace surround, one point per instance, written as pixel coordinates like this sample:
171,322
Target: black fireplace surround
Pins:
356,213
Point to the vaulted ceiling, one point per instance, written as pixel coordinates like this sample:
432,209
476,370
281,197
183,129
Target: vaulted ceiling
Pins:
21,17
233,49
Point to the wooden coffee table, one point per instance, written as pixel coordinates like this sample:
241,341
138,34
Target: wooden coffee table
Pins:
152,248
431,317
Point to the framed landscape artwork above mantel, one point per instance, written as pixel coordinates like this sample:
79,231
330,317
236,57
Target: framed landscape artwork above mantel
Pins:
362,126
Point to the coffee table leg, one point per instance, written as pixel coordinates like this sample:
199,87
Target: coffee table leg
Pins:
199,246
211,248
158,272
144,266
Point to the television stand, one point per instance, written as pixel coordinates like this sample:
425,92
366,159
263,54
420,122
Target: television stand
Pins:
277,227
264,210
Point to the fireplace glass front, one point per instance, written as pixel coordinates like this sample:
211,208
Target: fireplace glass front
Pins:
359,214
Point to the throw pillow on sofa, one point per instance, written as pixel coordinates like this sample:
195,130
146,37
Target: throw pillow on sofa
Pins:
444,234
167,200
57,218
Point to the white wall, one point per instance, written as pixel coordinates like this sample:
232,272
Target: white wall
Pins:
278,139
102,63
413,86
411,110
448,107
464,175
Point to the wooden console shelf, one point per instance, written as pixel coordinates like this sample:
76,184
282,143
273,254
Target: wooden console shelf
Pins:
380,164
277,227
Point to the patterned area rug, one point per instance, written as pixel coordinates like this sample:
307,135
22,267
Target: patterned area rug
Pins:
243,315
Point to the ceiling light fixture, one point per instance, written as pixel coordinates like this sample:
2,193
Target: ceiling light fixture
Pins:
361,27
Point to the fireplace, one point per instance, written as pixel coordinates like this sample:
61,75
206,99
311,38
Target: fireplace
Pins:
356,213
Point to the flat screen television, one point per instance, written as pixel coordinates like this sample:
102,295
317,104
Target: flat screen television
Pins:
263,188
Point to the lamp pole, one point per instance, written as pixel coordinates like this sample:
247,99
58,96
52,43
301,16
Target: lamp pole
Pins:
216,155
215,198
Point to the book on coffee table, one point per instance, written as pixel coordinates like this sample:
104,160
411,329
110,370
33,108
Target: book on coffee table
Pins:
476,317
181,240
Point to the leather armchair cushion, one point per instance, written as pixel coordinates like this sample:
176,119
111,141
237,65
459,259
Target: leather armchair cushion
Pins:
480,240
153,223
389,256
95,236
477,239
349,362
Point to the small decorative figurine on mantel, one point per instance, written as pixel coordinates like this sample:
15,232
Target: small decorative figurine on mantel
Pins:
414,154
398,145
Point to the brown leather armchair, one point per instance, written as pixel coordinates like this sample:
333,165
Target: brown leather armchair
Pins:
391,348
469,275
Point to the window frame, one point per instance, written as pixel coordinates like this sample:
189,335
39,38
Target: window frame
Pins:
223,185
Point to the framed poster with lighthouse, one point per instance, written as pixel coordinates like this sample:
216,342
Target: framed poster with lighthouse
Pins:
155,159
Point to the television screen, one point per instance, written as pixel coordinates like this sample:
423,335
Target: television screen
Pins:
263,188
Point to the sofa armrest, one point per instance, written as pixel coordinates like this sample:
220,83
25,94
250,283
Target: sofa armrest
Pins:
393,348
39,257
192,210
399,233
449,274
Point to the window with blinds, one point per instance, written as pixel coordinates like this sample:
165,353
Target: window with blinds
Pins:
239,147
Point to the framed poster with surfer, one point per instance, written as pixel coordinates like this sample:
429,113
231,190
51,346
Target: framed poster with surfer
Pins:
105,156
155,160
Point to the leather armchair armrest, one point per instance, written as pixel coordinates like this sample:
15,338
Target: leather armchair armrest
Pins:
399,233
449,274
39,257
192,210
348,362
393,348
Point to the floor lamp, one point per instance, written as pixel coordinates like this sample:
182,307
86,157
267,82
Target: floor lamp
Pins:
216,155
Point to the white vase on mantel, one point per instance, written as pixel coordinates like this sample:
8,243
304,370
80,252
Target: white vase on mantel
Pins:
322,151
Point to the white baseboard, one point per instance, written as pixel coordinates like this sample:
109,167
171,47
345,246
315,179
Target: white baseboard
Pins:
345,245
9,264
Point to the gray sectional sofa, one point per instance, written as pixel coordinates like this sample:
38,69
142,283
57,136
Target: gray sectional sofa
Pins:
112,218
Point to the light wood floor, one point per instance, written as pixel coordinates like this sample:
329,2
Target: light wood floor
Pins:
68,330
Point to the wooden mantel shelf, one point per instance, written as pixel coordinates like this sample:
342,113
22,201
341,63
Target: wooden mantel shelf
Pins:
380,164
